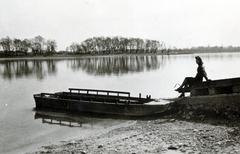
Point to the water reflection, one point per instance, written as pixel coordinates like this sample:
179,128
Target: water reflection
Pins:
25,68
83,119
61,119
100,66
76,119
97,66
119,65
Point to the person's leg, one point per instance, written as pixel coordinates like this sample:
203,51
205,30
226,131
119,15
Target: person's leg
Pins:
185,82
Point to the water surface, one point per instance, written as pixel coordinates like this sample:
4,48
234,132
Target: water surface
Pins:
23,130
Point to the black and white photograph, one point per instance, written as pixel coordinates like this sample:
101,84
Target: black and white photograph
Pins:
120,77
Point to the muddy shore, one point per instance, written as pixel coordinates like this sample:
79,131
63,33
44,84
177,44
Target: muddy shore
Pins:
167,134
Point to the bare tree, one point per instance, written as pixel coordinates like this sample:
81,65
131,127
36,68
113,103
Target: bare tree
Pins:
26,44
51,46
7,45
155,46
107,44
38,44
116,44
73,47
132,45
99,44
17,43
140,45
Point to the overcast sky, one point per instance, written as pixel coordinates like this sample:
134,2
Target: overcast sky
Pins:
180,23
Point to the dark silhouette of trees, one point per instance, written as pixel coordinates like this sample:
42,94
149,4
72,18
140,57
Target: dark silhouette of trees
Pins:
7,45
26,44
99,45
207,49
21,46
74,47
37,45
51,46
115,45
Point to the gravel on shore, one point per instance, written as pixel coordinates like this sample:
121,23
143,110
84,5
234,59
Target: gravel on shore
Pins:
162,135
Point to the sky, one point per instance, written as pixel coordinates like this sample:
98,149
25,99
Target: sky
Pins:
178,23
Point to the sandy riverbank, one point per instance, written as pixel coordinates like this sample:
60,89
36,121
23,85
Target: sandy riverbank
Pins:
162,135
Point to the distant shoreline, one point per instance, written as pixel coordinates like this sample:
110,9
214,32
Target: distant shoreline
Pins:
71,56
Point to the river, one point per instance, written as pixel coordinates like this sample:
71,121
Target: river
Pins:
23,129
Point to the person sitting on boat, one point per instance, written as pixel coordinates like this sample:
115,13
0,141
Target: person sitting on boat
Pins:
190,81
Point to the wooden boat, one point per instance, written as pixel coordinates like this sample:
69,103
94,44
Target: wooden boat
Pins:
214,87
100,101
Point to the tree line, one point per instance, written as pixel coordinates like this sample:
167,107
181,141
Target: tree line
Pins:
98,45
36,45
206,49
108,45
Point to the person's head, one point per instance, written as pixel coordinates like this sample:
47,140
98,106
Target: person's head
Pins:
198,60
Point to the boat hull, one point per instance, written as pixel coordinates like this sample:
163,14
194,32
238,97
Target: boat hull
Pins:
99,107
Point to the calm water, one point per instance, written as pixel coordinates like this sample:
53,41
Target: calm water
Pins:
23,129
